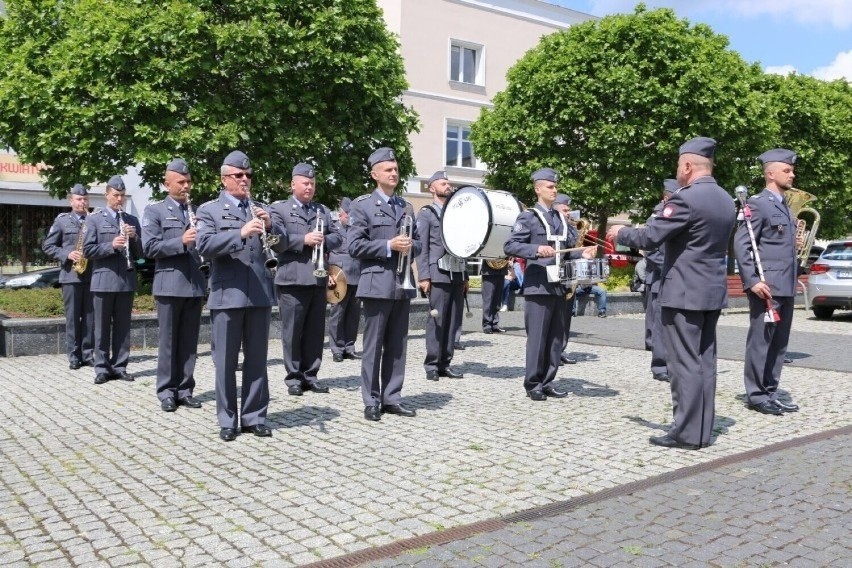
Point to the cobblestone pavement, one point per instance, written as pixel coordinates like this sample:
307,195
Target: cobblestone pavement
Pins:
99,476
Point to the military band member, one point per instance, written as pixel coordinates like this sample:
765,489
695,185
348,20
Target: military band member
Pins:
112,243
374,239
64,242
493,276
345,315
442,278
536,235
170,239
563,205
301,293
694,226
653,274
774,227
230,231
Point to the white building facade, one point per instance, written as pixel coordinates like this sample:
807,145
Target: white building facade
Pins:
456,54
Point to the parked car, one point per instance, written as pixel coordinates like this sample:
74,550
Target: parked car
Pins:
44,278
815,251
830,280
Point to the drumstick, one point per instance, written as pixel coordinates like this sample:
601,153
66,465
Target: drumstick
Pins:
570,249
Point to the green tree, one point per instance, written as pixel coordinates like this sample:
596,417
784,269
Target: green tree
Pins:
815,119
93,86
607,104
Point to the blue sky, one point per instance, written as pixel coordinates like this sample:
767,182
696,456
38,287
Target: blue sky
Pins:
812,37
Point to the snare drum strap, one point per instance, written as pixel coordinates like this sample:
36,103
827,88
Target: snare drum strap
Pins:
550,238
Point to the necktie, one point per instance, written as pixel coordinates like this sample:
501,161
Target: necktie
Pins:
392,202
183,210
554,221
244,206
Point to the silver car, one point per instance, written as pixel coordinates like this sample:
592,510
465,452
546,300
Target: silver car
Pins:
830,279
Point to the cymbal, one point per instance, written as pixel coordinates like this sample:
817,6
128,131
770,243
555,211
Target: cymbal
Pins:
336,290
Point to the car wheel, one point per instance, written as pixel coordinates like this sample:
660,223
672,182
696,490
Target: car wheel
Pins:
822,312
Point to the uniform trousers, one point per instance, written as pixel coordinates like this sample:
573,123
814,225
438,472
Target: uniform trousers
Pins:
492,296
690,340
653,332
343,321
544,320
230,328
385,345
766,346
180,321
79,322
446,300
112,331
302,331
569,317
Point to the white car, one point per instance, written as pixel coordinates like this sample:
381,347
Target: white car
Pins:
830,279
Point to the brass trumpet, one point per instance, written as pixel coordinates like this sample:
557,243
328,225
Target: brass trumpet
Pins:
406,229
122,228
318,256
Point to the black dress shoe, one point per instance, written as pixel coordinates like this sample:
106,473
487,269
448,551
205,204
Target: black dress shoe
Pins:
228,434
295,390
259,430
459,346
431,375
168,404
564,358
352,355
552,392
101,378
451,373
499,330
669,442
767,407
190,402
122,376
487,331
337,357
89,363
399,410
537,395
74,365
372,413
786,407
314,387
662,377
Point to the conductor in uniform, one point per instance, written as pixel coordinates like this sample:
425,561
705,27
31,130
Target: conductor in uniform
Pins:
64,242
653,271
301,290
774,228
694,226
379,240
112,243
536,236
345,315
170,239
230,231
442,278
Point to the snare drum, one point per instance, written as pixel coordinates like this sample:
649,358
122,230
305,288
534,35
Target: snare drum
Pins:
582,269
476,222
601,270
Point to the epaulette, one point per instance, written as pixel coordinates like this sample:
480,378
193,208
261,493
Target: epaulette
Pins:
206,203
758,196
63,214
279,201
156,202
363,197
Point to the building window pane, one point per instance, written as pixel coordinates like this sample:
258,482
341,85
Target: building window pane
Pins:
455,62
452,152
459,148
464,63
469,66
467,159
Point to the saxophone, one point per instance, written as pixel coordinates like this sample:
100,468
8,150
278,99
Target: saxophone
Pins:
80,266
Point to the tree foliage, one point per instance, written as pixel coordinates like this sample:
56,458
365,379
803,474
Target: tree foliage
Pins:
815,119
93,86
607,104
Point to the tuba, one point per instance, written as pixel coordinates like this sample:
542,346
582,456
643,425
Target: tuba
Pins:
797,200
498,264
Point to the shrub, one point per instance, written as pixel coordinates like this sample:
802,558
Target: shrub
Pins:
47,302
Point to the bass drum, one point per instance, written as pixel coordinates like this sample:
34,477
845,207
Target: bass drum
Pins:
476,222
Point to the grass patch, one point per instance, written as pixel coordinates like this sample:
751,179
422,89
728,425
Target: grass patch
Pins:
634,550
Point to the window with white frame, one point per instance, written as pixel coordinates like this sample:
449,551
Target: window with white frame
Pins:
466,63
459,152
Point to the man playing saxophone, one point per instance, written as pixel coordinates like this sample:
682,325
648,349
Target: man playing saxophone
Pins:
64,242
112,243
774,227
301,279
169,237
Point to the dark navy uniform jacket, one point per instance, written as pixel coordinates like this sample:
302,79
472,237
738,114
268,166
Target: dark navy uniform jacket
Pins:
775,233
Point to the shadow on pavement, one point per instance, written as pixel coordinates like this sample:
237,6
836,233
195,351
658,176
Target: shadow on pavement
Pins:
428,400
314,416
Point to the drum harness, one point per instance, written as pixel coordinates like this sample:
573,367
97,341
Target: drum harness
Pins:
448,262
553,272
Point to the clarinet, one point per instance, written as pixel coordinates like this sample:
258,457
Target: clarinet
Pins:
122,228
204,267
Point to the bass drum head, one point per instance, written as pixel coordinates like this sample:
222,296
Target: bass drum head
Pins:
466,222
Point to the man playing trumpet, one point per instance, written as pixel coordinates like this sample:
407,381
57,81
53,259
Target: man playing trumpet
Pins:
301,279
383,237
64,242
